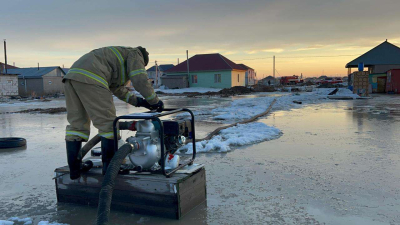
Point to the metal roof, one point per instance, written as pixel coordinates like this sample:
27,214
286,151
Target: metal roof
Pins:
65,70
206,62
383,54
245,67
163,67
33,72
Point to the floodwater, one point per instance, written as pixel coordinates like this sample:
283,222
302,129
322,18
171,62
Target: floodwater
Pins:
336,163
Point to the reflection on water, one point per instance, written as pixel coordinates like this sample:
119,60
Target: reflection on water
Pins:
339,157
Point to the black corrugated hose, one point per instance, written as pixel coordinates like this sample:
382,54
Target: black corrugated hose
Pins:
105,197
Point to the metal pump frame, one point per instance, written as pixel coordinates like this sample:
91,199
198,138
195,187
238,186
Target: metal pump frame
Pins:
156,117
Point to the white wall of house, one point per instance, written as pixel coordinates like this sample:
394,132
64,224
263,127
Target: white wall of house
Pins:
8,85
152,75
250,77
242,78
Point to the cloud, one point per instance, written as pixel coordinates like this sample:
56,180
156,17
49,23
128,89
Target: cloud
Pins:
313,47
36,30
274,50
351,48
251,52
229,53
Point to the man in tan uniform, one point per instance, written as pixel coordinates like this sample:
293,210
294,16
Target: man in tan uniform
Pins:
89,88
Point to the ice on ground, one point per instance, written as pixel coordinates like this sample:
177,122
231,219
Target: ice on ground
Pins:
26,221
343,92
248,107
48,223
6,222
239,135
192,89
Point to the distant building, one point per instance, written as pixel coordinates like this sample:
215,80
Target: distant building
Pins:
65,70
205,70
8,84
2,67
39,81
155,73
393,81
380,59
270,80
250,75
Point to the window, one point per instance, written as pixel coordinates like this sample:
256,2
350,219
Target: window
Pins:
217,78
238,77
194,79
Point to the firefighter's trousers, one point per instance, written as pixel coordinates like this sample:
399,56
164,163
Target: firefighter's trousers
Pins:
85,103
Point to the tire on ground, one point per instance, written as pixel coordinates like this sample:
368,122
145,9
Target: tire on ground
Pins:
12,142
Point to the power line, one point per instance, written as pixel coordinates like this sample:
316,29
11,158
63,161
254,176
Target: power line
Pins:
307,56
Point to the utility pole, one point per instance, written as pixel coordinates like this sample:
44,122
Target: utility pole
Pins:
274,67
178,61
187,63
156,73
5,56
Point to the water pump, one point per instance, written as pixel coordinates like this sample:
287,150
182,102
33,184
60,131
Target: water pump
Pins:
156,141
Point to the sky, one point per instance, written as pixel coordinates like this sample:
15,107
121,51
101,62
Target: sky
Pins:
309,37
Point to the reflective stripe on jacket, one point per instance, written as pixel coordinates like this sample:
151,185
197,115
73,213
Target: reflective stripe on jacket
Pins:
112,67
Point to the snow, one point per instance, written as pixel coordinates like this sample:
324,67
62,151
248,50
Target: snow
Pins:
5,222
192,89
26,221
246,108
239,135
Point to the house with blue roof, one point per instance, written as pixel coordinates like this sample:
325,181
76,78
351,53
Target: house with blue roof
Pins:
156,72
39,81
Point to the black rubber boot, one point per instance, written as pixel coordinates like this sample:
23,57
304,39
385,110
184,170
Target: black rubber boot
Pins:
73,148
107,152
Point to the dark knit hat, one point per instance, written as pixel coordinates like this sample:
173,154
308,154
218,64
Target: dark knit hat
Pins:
145,55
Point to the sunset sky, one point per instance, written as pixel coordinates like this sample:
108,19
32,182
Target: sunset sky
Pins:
306,36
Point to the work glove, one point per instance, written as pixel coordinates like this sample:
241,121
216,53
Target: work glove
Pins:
159,106
143,103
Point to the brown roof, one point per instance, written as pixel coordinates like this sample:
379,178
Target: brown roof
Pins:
245,67
206,62
8,66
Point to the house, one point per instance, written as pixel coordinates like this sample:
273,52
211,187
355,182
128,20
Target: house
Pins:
270,80
39,81
2,67
250,75
380,59
66,70
393,81
377,82
8,81
205,70
8,84
155,72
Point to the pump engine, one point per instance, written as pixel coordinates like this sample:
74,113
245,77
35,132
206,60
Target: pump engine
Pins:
147,142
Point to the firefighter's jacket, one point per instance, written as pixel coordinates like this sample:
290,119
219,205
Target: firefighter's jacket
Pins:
111,68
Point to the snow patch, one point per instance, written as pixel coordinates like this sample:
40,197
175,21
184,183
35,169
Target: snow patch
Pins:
239,135
248,107
26,221
193,89
5,222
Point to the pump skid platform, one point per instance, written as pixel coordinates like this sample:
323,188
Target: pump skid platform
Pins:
150,194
